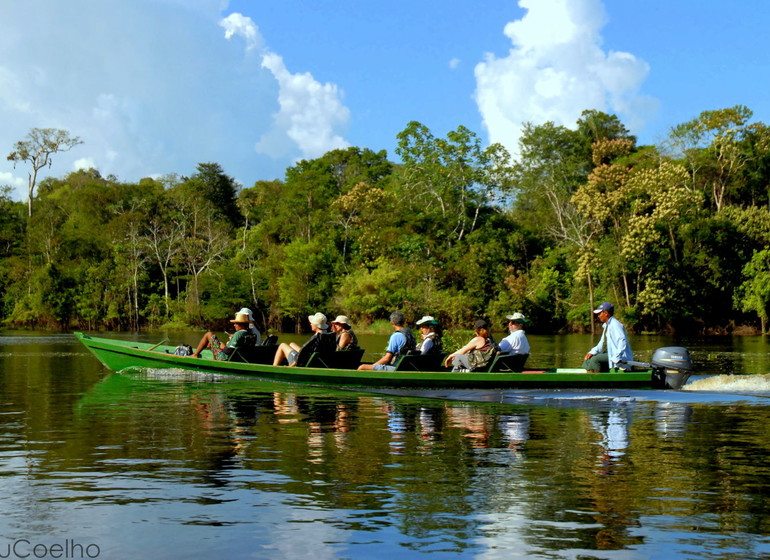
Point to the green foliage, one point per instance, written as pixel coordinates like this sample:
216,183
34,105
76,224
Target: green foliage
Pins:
676,236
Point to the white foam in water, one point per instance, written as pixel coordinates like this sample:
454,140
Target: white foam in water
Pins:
740,383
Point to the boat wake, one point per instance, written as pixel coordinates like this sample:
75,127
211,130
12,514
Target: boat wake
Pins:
731,383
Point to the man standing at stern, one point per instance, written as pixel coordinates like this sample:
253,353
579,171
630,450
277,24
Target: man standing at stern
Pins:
618,347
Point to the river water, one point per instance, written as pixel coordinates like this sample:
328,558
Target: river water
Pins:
169,464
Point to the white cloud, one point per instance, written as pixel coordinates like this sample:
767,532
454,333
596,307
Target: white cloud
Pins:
310,113
240,25
84,163
454,63
17,184
158,87
556,69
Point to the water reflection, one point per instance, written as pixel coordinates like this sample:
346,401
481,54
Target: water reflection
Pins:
190,465
671,419
613,426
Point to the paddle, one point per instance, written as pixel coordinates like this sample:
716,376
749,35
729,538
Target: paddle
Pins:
153,347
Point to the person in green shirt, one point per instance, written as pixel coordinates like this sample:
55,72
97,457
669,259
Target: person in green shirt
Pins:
220,349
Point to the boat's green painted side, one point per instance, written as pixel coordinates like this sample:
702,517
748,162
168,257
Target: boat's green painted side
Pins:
119,355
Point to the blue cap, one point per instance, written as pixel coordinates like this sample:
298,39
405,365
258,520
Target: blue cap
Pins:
606,306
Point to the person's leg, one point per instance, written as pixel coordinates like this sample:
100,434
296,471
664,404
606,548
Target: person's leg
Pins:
460,363
597,363
284,351
281,354
204,343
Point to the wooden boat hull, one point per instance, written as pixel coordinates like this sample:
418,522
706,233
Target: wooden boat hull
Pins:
120,355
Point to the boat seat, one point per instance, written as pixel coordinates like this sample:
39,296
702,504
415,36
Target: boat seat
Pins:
262,354
270,340
508,362
422,362
345,359
326,344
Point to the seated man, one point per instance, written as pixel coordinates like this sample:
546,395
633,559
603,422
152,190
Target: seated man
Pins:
289,351
221,350
618,347
401,342
516,342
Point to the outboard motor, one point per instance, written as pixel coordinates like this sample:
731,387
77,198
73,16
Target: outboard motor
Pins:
672,367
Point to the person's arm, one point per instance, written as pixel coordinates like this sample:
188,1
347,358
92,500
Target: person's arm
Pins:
384,360
505,344
476,342
234,340
427,344
618,341
598,348
344,341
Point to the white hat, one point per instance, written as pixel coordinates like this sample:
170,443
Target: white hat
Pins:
427,320
319,320
517,317
247,311
341,320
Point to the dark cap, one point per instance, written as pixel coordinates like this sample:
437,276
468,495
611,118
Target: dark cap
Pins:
606,306
480,324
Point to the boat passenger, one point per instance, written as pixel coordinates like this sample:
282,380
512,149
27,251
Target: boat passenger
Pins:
289,351
252,327
431,336
345,337
618,347
400,342
221,350
516,342
478,353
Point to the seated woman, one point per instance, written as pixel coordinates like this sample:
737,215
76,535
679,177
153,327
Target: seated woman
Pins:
478,353
220,349
431,336
346,338
289,351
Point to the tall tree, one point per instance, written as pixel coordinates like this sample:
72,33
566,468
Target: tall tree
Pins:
38,149
448,181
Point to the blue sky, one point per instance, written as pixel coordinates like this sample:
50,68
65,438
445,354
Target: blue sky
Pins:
154,87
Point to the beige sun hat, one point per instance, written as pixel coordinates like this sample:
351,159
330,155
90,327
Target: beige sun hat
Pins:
318,320
240,318
341,320
427,320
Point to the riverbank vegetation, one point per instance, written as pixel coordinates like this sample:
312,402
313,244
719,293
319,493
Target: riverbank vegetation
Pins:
676,235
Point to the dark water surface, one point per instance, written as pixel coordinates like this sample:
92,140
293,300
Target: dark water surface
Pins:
170,464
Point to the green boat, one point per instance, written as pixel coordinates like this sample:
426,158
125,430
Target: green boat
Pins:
669,369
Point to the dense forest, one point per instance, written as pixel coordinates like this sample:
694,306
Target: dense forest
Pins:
676,235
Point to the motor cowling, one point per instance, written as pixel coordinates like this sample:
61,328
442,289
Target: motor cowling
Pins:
672,358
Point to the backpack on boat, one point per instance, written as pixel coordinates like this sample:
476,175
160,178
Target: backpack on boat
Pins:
183,350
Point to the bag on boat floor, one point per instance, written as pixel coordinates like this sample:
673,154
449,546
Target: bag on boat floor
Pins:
183,350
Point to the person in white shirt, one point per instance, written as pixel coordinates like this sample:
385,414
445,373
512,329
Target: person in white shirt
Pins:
516,342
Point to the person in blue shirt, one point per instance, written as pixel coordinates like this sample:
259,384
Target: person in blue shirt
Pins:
616,339
400,342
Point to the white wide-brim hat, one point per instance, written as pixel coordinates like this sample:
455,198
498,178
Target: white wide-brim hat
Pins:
247,311
318,320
